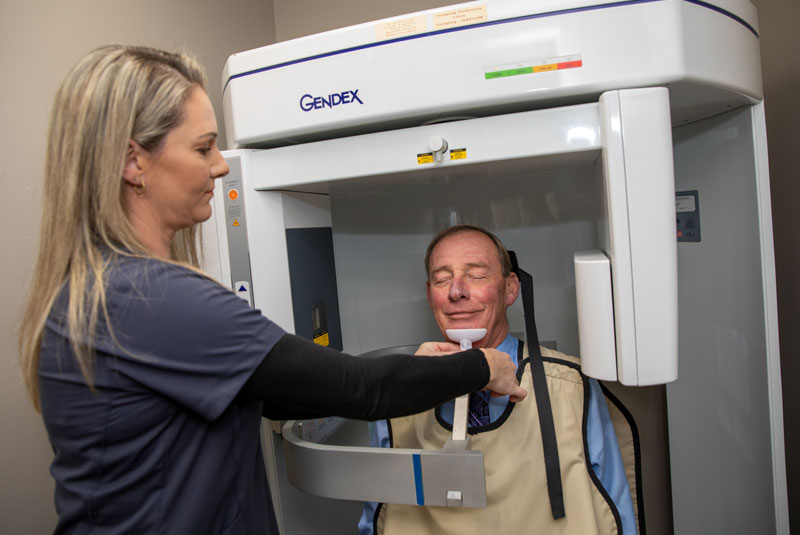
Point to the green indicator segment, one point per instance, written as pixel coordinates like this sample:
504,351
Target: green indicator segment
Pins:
509,72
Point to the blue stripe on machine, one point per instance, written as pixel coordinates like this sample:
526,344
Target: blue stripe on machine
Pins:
418,479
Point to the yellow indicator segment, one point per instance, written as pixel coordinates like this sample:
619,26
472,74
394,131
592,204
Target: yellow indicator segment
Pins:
458,154
322,339
425,157
545,68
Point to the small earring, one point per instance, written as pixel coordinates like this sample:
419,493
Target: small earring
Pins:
139,188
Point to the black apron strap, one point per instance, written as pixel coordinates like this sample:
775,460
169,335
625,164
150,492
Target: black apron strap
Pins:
546,425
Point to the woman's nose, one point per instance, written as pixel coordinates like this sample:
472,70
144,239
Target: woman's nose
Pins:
220,167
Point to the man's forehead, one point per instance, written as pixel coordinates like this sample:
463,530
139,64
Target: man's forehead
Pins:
466,249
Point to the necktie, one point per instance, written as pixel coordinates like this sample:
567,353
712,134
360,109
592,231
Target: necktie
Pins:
478,409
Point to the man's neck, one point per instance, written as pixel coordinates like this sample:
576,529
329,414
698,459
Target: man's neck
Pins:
493,339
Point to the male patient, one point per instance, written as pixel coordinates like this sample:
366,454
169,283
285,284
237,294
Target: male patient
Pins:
470,285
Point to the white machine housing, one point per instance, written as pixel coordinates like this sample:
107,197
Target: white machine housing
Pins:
439,64
433,114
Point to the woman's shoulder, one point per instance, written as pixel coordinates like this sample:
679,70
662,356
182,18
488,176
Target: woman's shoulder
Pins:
147,280
134,269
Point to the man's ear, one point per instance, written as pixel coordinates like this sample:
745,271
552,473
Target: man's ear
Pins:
512,289
133,170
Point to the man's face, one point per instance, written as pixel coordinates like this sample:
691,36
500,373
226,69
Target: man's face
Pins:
467,289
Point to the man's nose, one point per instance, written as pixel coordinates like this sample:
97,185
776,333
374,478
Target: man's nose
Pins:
459,289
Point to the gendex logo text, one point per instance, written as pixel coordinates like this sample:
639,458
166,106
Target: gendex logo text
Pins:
309,102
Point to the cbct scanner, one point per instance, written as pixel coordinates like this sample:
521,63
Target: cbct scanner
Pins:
618,147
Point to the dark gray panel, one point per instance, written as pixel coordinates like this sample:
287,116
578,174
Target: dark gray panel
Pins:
313,277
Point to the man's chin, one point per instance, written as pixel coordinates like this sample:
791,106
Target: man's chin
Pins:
460,325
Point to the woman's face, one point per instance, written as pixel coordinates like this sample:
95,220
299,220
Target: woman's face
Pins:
179,177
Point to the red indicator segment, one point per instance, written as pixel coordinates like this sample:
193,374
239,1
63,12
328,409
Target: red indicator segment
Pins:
570,64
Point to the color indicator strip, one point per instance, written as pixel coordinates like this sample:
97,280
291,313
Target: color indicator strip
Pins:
418,479
533,69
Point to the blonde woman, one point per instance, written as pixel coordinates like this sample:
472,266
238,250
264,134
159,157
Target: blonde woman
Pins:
150,377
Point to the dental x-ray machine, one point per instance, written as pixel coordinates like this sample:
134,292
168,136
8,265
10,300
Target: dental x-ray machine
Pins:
579,131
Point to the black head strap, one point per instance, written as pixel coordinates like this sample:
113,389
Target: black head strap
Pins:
546,424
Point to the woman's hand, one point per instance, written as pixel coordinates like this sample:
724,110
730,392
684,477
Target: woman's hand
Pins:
437,349
503,375
502,372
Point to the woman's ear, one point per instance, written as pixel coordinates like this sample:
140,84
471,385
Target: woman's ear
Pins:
133,171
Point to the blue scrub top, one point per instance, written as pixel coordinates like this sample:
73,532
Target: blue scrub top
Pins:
163,445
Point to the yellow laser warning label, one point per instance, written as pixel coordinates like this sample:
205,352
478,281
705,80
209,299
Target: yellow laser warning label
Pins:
322,339
235,222
458,154
425,157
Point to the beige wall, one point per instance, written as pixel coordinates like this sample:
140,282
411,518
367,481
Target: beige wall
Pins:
39,41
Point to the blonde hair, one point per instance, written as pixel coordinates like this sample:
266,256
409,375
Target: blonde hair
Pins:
113,95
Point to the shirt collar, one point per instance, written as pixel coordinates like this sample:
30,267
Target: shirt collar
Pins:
509,345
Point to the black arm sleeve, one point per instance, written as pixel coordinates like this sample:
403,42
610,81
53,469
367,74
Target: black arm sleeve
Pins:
300,379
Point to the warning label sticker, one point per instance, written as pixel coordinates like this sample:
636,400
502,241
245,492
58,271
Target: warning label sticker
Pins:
425,157
322,339
458,154
460,17
400,28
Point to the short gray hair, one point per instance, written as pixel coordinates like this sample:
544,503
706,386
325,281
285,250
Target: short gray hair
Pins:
502,253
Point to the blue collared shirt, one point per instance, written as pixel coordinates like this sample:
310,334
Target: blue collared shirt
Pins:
604,451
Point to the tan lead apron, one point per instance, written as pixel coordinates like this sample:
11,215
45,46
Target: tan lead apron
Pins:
517,501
